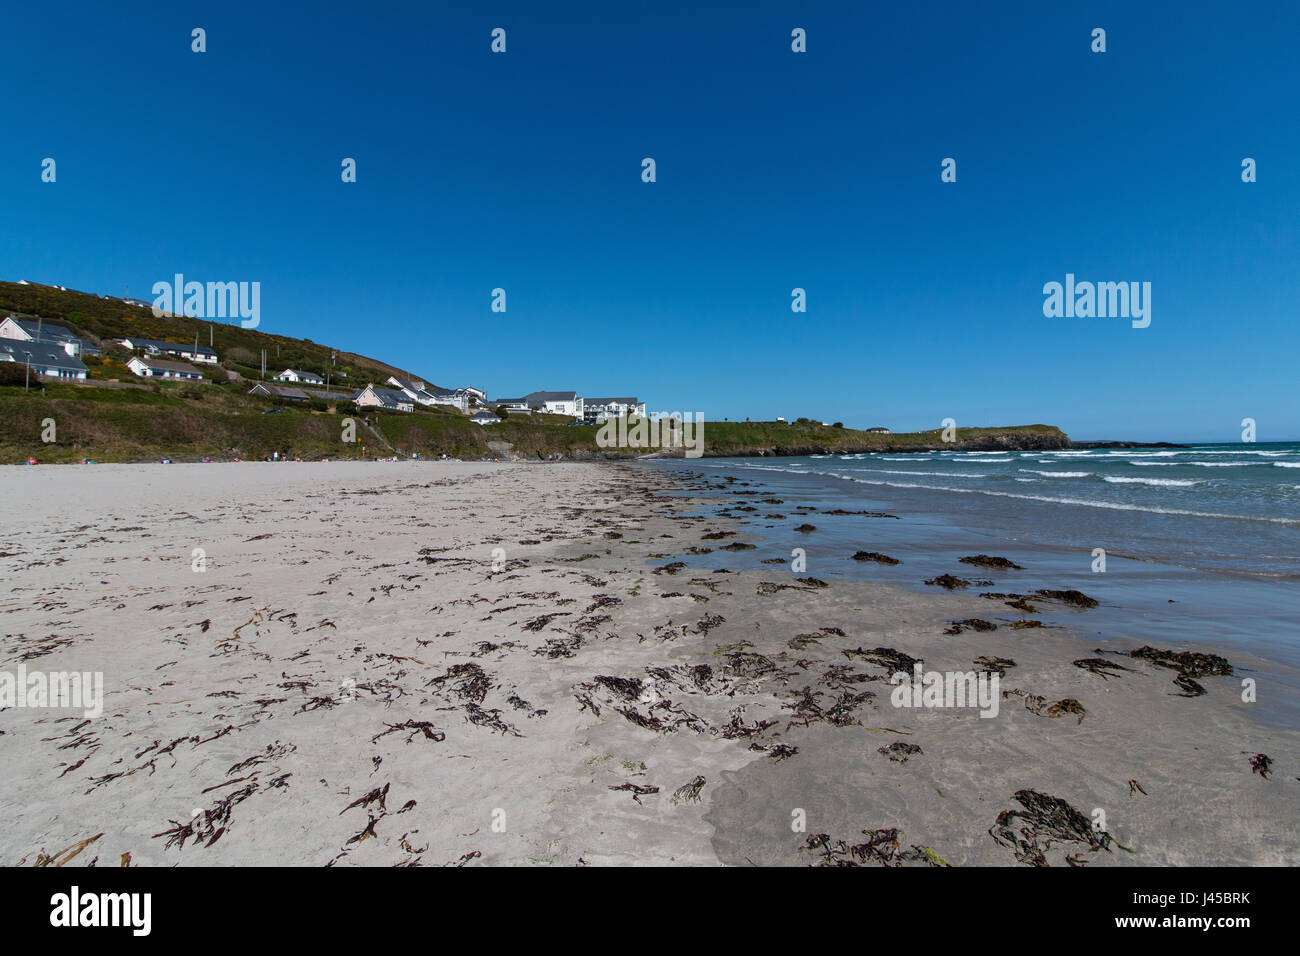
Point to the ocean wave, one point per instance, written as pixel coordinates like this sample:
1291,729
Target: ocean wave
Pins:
1082,502
1058,474
928,474
1199,464
1162,482
1286,464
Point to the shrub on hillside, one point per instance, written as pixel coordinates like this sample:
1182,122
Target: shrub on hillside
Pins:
13,373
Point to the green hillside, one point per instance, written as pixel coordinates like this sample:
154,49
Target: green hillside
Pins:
104,319
117,417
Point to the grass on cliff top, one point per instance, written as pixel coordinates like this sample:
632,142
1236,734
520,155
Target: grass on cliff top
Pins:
151,420
741,436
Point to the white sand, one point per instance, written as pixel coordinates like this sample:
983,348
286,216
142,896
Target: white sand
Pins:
341,600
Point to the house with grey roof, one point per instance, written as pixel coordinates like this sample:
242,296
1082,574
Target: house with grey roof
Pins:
150,367
285,392
193,353
298,375
46,333
596,410
390,398
554,403
424,394
43,358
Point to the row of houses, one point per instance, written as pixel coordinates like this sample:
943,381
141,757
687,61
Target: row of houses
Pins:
573,405
54,351
372,396
45,348
40,332
192,353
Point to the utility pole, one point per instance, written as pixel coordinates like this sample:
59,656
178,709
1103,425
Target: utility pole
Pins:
27,385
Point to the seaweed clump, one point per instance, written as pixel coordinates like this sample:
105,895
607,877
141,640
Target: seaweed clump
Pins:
875,556
990,561
1046,820
880,847
899,751
1070,597
1188,664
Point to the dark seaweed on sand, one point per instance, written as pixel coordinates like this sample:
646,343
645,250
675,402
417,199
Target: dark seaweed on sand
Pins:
468,682
1071,597
1261,764
1046,820
970,624
629,688
636,790
996,665
1189,663
887,657
413,728
1100,666
899,751
875,556
990,561
881,847
690,792
948,582
1037,704
778,752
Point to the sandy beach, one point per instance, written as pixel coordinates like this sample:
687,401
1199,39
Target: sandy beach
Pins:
428,663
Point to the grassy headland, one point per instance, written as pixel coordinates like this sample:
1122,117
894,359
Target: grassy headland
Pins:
115,416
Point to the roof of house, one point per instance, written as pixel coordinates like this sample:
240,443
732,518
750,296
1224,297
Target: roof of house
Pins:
150,362
389,396
160,346
551,397
42,354
610,401
301,374
47,330
279,391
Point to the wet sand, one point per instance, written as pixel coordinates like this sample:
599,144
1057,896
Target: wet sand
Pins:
360,676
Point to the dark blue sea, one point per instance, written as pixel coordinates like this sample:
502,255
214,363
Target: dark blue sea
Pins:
1202,544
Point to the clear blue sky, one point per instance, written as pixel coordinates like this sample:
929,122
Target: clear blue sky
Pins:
775,170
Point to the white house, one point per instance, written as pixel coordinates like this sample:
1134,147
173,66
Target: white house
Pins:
298,375
160,368
43,358
598,409
484,418
372,397
424,394
555,403
29,330
193,353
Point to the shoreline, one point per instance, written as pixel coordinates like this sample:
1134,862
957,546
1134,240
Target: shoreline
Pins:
578,689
